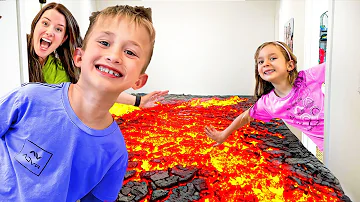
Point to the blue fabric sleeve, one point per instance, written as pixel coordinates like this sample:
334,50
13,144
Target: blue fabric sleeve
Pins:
109,187
9,111
89,198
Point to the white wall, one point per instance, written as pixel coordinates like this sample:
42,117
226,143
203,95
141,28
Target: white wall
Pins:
343,98
10,76
313,11
206,47
293,9
195,53
81,10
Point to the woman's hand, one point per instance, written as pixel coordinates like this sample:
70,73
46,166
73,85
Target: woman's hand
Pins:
150,99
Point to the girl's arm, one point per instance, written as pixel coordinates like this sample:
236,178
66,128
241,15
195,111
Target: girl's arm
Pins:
221,136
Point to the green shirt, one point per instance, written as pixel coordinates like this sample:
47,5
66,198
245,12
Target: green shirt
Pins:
54,72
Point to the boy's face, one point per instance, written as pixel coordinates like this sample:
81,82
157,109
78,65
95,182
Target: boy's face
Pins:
115,54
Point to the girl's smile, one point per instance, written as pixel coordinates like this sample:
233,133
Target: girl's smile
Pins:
272,66
267,72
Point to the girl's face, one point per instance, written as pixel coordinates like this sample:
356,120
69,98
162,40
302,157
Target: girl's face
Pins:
49,33
272,66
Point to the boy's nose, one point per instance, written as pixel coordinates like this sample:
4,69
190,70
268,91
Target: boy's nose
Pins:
114,57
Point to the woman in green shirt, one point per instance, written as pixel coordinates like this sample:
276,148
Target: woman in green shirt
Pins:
53,38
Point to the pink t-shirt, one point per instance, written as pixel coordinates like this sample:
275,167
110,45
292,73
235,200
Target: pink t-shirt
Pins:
302,108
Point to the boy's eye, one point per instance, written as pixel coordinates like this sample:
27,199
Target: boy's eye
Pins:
104,43
130,53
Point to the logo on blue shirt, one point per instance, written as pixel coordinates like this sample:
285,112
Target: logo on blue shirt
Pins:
33,157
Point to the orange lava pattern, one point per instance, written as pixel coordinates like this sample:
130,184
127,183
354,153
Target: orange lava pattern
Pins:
238,170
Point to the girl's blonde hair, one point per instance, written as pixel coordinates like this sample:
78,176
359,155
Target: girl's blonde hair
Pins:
263,87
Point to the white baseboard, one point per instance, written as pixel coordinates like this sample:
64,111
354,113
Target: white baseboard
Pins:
308,143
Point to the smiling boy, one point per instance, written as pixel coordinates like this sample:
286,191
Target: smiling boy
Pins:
59,142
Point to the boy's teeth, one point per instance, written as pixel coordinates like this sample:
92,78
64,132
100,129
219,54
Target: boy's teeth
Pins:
109,71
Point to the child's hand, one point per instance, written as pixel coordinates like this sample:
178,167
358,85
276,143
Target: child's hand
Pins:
150,99
218,136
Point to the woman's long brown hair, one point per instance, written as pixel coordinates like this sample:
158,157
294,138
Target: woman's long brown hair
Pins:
64,51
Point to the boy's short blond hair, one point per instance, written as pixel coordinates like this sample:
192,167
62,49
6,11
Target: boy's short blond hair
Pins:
139,15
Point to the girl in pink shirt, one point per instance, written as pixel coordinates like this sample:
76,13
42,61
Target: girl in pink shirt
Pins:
283,92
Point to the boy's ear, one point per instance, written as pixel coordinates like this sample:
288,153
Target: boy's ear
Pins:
77,57
141,81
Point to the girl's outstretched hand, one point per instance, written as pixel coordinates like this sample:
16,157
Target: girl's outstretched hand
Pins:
149,100
218,136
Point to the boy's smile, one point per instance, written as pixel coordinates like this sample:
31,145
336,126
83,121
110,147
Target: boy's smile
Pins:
108,71
115,54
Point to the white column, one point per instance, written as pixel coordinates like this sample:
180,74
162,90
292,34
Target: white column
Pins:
9,49
342,115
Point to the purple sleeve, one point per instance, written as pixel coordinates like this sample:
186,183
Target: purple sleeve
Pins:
9,111
317,73
258,110
109,187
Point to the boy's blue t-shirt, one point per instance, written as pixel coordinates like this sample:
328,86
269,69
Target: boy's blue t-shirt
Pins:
48,154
